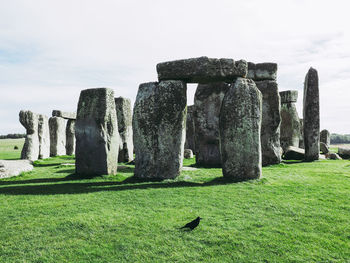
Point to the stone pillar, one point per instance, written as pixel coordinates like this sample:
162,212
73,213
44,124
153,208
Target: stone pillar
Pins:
159,129
57,127
311,112
96,132
30,121
70,137
240,126
190,129
325,137
290,123
124,117
44,137
301,138
207,102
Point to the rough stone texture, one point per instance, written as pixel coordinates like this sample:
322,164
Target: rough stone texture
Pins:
290,125
271,120
207,102
289,96
44,136
14,167
240,126
64,114
70,137
324,148
188,154
190,129
344,152
30,121
159,126
96,133
325,137
202,70
333,156
294,153
57,127
311,112
124,117
262,71
301,135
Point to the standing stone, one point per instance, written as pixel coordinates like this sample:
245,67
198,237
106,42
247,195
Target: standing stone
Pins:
44,137
190,129
240,126
124,117
301,137
325,137
290,123
70,137
207,102
262,71
188,154
30,121
96,132
57,136
311,112
159,125
271,120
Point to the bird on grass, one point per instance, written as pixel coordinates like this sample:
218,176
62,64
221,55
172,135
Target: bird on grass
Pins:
193,224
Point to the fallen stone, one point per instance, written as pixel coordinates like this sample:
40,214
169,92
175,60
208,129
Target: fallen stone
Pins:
333,156
262,71
64,114
202,70
190,129
188,154
159,128
294,153
57,127
70,137
289,96
325,137
96,132
44,136
344,152
324,148
240,126
14,167
30,121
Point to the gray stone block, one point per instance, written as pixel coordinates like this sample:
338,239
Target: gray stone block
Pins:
294,153
30,122
325,137
190,129
57,127
289,96
64,114
324,148
188,154
44,136
262,71
70,137
290,126
301,136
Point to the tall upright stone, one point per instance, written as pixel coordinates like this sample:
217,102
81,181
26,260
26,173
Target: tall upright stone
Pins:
207,102
301,137
325,137
30,122
57,127
190,129
44,136
290,123
96,132
240,126
159,128
124,117
70,137
311,113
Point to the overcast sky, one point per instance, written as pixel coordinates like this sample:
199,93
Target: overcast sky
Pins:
51,50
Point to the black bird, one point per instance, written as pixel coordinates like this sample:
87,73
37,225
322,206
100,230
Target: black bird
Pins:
193,224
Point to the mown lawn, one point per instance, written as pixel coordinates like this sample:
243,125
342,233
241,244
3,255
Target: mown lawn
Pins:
7,151
298,212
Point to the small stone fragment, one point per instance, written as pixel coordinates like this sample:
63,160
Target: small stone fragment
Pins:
188,154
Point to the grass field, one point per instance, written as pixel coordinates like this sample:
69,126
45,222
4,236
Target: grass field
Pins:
298,212
7,151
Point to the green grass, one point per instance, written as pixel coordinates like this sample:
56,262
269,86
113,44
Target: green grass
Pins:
7,151
298,212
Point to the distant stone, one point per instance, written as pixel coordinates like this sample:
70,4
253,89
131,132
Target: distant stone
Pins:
96,132
207,102
57,136
44,137
325,137
124,117
294,153
301,136
30,122
14,167
344,152
333,156
311,114
70,137
262,71
190,129
202,70
64,114
188,154
324,148
240,126
289,96
159,128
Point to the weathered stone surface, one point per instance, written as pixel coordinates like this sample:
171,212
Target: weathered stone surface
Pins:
159,128
64,114
262,71
14,167
271,120
96,133
57,127
124,117
188,154
325,137
70,137
333,156
301,136
240,126
202,70
290,125
44,136
30,121
311,114
190,129
344,152
289,96
294,153
324,148
207,102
